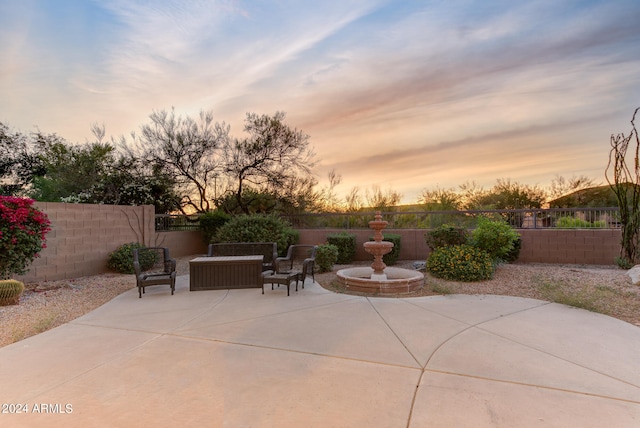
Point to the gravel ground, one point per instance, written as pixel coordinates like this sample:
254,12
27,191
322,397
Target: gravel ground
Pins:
604,289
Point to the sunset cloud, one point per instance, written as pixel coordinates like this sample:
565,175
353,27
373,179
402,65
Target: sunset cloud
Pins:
408,95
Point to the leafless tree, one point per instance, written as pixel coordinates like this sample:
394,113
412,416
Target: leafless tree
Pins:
624,180
188,150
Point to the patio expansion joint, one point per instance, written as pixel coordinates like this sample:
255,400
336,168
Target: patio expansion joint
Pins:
530,385
204,311
305,308
471,326
78,321
542,351
294,351
393,332
479,327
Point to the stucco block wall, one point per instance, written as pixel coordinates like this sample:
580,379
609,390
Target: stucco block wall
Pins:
574,246
571,246
83,235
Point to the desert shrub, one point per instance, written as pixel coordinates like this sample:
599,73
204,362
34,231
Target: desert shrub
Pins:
210,222
446,235
10,291
495,237
623,263
326,257
258,228
346,244
391,258
22,234
460,263
578,223
121,260
513,255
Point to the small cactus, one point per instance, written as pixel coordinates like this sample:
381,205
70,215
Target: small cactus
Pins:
10,291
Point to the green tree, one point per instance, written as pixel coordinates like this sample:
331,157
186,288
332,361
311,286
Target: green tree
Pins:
508,195
70,171
252,201
55,170
18,162
382,200
439,199
271,159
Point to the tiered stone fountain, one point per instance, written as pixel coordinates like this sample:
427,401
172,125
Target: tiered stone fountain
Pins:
380,279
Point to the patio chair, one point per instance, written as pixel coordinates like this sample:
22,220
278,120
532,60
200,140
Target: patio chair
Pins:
300,259
153,266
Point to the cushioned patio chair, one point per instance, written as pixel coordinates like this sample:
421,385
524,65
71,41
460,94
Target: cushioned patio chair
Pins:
153,266
300,259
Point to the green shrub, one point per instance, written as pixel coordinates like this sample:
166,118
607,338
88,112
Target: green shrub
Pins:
391,258
623,263
495,237
10,291
460,263
121,260
210,222
258,228
326,256
346,244
446,235
577,223
513,255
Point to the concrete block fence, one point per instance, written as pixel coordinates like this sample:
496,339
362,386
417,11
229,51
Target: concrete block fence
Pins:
560,246
83,235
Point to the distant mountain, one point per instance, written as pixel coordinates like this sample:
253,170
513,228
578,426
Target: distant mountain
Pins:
593,197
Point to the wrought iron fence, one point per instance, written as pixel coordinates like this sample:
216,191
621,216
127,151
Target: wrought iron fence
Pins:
172,222
563,218
559,218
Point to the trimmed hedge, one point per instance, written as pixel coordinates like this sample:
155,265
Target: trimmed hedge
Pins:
446,235
461,263
258,228
210,222
346,244
326,257
121,260
495,237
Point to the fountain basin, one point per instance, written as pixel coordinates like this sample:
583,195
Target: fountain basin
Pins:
397,281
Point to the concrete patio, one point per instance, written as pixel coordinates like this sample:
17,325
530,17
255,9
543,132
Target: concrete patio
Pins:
318,359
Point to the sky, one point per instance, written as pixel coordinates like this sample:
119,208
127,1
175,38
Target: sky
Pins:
403,95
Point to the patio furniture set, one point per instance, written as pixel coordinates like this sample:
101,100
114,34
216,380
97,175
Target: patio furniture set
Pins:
229,266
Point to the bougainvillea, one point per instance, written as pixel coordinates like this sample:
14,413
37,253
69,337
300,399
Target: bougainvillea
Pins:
22,234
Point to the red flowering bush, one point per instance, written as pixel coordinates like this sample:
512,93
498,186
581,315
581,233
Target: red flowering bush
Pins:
22,234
